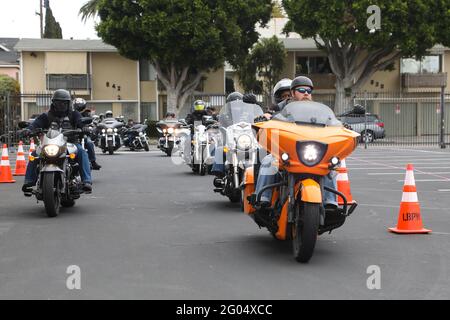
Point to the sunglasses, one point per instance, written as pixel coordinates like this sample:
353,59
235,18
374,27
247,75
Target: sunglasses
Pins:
303,90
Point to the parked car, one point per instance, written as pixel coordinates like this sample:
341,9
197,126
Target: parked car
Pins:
373,129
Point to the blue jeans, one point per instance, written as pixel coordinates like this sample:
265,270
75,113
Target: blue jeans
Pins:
267,175
219,165
83,160
89,145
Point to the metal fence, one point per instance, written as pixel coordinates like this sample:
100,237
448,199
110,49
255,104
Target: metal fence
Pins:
404,118
11,108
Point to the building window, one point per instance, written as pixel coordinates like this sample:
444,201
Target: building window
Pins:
68,82
312,65
146,71
99,108
428,64
148,111
130,111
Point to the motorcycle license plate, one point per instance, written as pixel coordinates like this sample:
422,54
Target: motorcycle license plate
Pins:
110,138
171,139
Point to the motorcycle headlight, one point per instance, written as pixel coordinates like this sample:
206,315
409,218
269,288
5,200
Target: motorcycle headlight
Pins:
141,134
103,130
109,130
244,142
170,130
311,153
115,129
51,150
201,137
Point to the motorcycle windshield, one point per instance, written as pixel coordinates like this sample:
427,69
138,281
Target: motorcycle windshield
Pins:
139,127
169,124
309,113
53,134
238,111
111,124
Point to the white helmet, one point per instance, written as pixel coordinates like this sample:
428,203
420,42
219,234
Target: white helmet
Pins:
282,85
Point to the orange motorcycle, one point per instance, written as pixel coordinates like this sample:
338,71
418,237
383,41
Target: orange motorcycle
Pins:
306,142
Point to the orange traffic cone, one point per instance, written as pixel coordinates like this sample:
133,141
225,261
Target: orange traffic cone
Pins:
343,184
5,168
21,163
409,218
32,148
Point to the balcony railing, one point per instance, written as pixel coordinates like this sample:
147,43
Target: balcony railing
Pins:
69,82
424,80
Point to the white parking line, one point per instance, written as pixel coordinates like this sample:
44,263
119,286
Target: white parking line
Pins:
397,206
381,168
429,180
391,166
402,173
444,156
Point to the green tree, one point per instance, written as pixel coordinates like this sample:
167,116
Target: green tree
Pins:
183,39
8,85
340,28
52,28
263,66
277,11
89,10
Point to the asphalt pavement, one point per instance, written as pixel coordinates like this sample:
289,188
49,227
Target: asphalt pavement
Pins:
154,230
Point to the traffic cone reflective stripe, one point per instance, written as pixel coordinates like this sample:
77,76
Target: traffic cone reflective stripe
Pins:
5,167
21,163
343,184
409,217
32,148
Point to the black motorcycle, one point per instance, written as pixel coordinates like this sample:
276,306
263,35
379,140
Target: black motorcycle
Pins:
135,137
169,130
59,182
109,130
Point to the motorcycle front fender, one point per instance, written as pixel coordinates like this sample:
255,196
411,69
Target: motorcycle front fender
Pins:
311,191
51,168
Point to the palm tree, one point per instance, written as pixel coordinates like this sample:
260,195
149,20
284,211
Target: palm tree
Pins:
89,10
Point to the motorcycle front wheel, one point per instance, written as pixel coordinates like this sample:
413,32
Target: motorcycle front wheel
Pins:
51,192
111,150
305,230
146,146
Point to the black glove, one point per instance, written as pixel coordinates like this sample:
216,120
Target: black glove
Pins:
25,133
249,98
261,118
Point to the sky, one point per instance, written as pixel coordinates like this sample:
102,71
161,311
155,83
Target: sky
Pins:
18,19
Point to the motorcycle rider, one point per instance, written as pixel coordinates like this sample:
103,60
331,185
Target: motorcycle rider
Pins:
197,112
212,111
108,114
218,168
60,109
79,104
170,116
281,92
301,89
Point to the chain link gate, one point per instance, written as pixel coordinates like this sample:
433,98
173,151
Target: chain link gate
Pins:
11,114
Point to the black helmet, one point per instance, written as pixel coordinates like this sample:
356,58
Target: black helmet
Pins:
61,100
79,104
302,81
235,96
282,85
199,105
108,114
